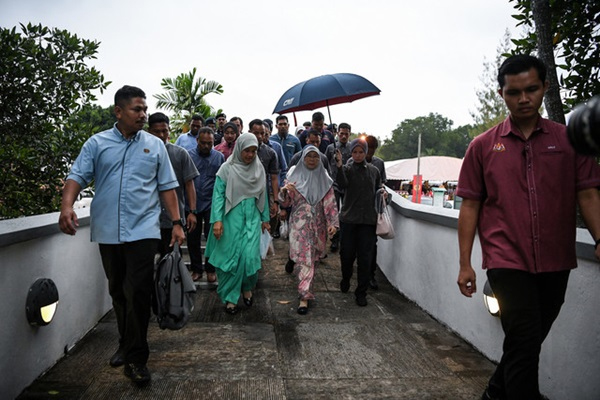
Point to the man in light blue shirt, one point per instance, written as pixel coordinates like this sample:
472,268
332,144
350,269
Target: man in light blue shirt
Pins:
289,143
131,170
188,140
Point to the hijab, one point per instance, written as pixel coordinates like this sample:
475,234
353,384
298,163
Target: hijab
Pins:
313,184
359,142
233,127
243,181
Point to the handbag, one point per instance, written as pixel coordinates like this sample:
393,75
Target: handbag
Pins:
385,229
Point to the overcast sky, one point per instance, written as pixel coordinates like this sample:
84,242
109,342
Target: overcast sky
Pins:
425,56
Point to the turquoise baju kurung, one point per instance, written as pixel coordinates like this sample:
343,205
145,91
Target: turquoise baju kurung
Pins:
236,255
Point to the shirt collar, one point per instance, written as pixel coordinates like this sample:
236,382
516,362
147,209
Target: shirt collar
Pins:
120,136
508,127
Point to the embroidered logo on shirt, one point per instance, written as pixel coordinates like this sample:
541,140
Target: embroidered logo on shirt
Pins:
499,147
146,150
551,147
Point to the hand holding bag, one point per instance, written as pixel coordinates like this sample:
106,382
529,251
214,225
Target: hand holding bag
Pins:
385,229
266,243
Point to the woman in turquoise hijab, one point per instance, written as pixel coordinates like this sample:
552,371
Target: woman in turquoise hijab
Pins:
239,213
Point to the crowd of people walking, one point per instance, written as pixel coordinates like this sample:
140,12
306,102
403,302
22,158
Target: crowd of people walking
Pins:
230,188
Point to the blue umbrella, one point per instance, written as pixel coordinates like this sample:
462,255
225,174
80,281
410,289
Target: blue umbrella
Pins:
324,91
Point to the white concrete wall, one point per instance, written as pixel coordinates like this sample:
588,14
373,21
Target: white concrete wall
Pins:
422,263
32,248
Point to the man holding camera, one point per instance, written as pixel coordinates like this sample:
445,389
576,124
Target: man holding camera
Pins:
520,183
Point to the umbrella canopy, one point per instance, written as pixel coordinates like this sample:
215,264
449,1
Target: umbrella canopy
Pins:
433,168
324,91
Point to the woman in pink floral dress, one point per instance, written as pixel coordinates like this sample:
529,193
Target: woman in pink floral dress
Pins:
309,191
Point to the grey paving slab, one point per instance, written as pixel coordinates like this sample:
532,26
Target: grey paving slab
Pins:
447,388
200,389
390,349
357,351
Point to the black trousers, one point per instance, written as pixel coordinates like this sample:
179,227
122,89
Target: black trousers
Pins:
529,304
194,240
339,198
356,243
129,268
374,260
165,239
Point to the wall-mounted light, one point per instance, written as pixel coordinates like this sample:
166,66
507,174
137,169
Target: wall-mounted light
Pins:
42,300
491,303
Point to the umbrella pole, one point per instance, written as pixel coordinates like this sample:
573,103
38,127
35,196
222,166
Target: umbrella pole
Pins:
328,112
295,121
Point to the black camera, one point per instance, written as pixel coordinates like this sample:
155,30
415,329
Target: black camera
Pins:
584,128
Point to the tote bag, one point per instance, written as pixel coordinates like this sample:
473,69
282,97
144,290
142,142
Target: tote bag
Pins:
385,229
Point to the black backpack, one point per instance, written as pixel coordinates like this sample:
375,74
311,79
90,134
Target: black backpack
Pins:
174,291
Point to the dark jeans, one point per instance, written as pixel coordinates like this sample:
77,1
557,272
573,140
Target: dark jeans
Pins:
194,239
356,243
129,268
529,304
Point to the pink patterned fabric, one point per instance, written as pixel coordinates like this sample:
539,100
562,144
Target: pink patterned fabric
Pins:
308,234
225,148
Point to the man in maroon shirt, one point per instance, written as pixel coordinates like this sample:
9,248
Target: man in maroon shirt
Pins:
520,182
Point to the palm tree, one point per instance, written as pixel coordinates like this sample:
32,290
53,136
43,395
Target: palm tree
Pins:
185,97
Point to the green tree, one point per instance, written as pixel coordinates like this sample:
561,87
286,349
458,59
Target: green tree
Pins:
185,96
43,80
454,143
491,108
437,138
90,119
566,31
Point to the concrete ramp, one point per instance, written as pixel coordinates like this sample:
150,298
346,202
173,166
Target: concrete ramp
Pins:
390,349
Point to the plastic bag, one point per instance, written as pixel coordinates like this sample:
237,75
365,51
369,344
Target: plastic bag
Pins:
284,230
266,242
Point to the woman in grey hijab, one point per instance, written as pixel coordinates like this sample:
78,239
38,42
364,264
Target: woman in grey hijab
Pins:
239,204
309,191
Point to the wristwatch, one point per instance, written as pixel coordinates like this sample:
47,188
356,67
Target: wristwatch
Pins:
178,222
194,212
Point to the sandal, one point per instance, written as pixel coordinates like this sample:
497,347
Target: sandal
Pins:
196,276
231,310
303,310
248,301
